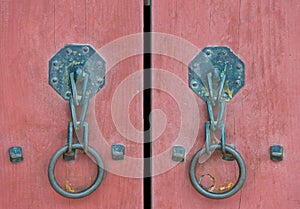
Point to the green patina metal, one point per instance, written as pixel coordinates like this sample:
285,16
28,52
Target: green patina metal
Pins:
216,62
74,58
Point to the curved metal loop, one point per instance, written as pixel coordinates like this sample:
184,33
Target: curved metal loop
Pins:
78,124
207,138
234,189
216,123
76,99
85,192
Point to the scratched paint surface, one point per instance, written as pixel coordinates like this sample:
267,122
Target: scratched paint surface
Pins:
265,112
34,116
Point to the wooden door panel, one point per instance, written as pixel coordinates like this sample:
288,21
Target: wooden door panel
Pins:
263,113
35,117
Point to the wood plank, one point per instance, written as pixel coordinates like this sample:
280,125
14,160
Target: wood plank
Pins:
264,113
34,116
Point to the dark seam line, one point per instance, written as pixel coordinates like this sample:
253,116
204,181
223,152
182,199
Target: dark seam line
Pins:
147,93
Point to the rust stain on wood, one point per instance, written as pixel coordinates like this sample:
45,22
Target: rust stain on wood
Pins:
68,187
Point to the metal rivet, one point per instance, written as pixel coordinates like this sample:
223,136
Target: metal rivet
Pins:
178,153
238,66
68,94
69,51
85,49
208,52
55,63
194,84
15,154
238,82
276,153
117,151
54,80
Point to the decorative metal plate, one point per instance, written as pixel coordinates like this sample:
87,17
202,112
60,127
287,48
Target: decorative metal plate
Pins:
216,61
74,58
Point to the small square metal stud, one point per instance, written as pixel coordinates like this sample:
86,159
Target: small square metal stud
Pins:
276,153
178,154
15,154
117,151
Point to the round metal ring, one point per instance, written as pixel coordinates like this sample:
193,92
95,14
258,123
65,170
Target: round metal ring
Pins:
85,192
234,189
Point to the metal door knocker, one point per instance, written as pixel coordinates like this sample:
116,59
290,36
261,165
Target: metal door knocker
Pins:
216,74
77,73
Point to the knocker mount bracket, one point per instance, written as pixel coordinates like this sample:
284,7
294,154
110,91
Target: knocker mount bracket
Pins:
214,67
77,59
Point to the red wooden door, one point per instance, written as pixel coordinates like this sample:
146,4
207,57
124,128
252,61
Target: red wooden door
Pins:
35,117
265,112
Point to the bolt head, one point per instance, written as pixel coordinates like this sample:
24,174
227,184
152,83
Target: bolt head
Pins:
178,153
117,151
276,153
15,154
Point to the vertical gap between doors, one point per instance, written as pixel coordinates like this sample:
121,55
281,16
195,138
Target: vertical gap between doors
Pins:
147,81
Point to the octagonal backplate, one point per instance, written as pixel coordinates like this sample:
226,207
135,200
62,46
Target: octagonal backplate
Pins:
69,59
216,61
